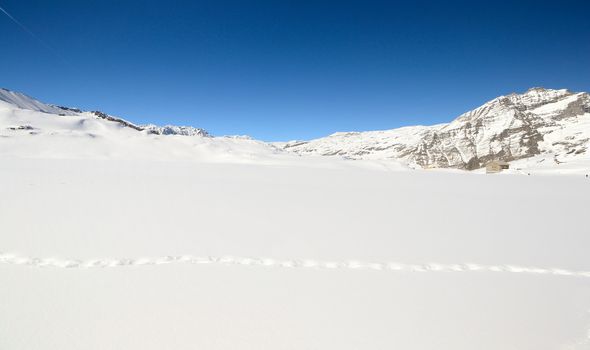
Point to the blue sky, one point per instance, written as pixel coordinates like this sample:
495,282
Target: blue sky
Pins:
282,70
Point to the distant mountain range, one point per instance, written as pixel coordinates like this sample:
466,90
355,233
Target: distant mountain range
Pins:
541,123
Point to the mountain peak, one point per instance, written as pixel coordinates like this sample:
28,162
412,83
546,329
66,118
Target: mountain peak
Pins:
539,89
537,96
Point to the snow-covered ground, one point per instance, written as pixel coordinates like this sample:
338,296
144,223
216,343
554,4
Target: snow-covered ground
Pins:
112,238
96,210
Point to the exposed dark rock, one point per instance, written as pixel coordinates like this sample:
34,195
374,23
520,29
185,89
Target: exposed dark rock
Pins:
116,120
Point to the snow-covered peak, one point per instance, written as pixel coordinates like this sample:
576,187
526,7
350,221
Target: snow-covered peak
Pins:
537,96
508,106
23,101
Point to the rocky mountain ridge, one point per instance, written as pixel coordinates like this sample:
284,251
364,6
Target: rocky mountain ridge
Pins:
517,126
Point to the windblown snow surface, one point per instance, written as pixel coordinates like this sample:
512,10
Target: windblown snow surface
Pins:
111,238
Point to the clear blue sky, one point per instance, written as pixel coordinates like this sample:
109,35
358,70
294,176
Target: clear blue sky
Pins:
281,70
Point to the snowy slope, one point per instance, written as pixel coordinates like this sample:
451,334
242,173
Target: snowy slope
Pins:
11,100
22,101
34,135
28,129
540,122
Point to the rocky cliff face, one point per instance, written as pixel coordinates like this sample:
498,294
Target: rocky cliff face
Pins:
540,121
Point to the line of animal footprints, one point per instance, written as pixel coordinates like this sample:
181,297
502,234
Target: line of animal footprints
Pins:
14,259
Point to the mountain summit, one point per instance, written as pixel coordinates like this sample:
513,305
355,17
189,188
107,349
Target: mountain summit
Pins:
554,123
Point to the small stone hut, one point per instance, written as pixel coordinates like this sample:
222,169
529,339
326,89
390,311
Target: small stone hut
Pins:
496,166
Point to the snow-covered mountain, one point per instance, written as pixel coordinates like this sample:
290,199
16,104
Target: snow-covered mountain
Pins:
22,101
541,128
541,122
33,129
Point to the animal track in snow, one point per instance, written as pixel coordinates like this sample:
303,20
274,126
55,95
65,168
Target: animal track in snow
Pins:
13,259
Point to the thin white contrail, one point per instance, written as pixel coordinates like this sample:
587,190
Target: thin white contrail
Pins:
13,259
30,32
